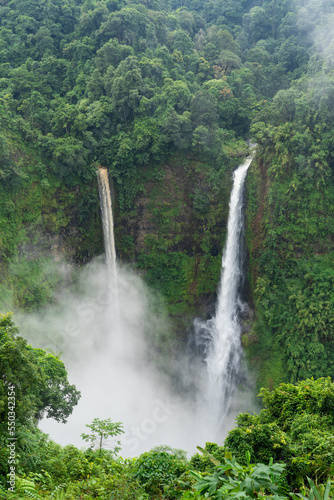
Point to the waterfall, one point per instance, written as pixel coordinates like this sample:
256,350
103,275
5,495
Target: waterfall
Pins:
113,326
221,334
107,218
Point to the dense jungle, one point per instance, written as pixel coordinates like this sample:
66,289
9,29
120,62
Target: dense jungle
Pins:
167,95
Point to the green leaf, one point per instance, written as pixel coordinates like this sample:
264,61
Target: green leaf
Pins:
314,490
327,490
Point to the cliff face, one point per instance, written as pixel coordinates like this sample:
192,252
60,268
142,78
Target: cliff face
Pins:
43,224
173,234
290,238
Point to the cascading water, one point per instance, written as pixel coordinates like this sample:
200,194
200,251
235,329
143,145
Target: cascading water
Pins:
221,334
107,219
113,322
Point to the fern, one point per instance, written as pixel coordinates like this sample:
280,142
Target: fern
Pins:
28,489
57,494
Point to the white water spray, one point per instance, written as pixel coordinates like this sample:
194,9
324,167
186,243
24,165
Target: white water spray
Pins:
222,333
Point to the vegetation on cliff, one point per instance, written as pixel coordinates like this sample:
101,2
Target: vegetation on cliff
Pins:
291,231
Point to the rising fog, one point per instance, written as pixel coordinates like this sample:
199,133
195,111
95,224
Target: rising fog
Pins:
109,336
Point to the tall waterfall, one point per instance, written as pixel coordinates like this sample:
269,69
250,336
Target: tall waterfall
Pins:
221,334
107,218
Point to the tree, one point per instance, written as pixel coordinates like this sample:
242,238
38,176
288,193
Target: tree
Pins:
91,21
228,61
111,54
126,25
296,426
186,21
43,42
160,471
204,109
291,55
222,39
179,40
33,384
202,137
176,94
102,430
125,87
39,378
256,23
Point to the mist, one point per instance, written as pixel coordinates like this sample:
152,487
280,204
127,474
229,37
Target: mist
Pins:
316,19
109,335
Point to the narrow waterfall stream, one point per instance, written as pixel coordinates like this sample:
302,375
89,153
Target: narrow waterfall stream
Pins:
107,219
221,334
113,325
